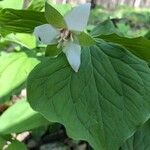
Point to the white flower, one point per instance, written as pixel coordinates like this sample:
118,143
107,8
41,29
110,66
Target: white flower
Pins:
76,21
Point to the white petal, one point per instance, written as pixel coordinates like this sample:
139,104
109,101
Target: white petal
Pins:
46,33
77,18
73,54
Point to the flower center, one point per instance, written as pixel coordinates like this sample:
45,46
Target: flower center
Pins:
65,35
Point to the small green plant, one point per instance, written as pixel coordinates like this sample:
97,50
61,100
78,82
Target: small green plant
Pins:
96,84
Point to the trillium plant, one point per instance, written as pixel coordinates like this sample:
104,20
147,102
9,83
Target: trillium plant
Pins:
96,85
65,35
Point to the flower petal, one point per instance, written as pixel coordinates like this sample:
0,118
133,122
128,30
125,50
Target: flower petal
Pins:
77,18
46,34
73,54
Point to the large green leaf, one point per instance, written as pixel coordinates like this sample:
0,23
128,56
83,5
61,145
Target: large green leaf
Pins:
103,103
19,118
14,70
15,4
140,140
139,46
22,21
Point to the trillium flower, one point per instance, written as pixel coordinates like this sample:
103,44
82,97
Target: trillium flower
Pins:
64,32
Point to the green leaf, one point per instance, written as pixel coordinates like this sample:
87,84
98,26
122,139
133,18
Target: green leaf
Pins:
53,16
139,46
140,140
104,28
15,4
23,39
52,50
36,5
85,39
103,103
19,118
14,70
16,145
20,21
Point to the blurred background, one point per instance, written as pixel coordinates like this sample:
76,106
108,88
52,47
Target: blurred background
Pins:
111,3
